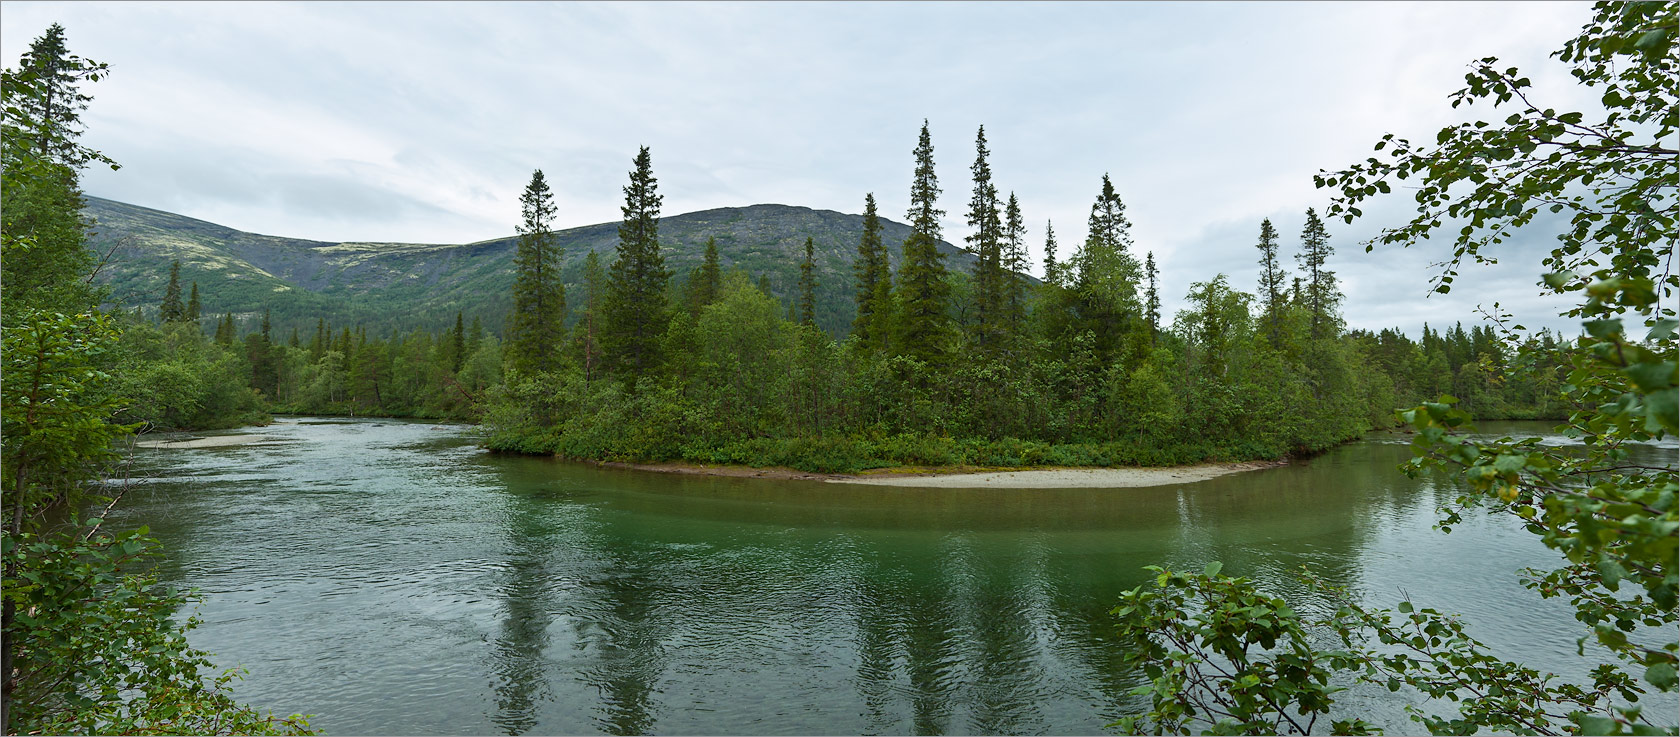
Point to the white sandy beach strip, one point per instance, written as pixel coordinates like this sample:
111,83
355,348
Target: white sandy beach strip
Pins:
1061,478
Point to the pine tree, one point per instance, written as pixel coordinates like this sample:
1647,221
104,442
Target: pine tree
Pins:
1321,293
1152,301
294,341
172,309
226,331
54,115
987,244
46,263
319,344
536,329
874,282
923,293
1015,267
635,304
193,306
1052,270
1271,278
706,281
808,285
1106,276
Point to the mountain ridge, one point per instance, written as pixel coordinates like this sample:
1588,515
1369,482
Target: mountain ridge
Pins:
397,285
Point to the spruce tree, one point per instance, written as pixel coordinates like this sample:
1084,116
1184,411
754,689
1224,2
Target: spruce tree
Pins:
46,263
1052,270
192,305
1321,294
808,285
319,344
1152,303
987,244
923,324
635,304
536,328
1105,274
1271,278
53,116
874,282
172,309
711,275
226,331
1015,267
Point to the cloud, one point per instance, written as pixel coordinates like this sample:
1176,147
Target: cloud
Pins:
423,121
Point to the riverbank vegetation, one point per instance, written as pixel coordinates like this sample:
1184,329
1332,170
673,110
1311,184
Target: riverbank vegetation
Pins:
90,643
987,367
1226,655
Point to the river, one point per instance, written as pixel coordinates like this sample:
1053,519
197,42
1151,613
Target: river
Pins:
391,578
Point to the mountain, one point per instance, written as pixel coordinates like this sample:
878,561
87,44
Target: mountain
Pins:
386,286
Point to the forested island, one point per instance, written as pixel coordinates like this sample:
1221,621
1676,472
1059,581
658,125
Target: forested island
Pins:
902,360
982,367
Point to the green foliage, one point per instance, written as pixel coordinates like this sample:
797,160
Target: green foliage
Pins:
1220,653
923,325
808,286
1271,286
178,379
988,318
1612,522
538,321
635,301
97,650
874,296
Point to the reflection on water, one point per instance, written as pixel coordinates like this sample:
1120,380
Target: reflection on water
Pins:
391,578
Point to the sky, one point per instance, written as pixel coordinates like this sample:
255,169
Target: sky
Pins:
422,122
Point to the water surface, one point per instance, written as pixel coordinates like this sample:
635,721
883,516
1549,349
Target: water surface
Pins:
391,578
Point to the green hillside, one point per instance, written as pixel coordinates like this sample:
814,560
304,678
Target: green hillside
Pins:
385,286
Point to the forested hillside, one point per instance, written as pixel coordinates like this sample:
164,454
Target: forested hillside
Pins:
385,286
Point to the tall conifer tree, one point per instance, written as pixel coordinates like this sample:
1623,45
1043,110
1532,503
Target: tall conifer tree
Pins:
1015,267
1152,299
1272,288
808,285
635,303
987,244
172,309
1321,293
536,327
923,324
1052,270
874,282
193,306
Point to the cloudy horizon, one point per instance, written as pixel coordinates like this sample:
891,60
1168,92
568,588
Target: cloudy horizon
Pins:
422,122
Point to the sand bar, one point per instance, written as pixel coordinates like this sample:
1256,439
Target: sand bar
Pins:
934,478
1060,478
218,441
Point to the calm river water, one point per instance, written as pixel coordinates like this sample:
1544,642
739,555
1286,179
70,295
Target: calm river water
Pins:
391,578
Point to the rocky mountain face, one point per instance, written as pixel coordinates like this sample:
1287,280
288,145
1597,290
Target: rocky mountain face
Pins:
402,286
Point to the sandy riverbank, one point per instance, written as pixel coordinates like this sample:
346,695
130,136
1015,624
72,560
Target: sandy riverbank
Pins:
968,478
218,441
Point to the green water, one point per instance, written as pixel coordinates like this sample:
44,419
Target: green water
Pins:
391,578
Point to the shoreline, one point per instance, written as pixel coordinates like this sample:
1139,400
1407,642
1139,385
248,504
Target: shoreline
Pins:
971,477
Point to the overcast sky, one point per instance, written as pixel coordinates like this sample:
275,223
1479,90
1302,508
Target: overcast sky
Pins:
422,122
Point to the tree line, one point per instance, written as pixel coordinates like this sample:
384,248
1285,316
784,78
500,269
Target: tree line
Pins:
984,366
